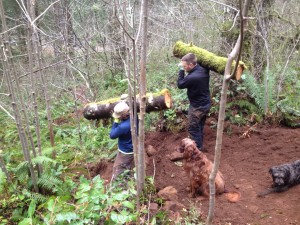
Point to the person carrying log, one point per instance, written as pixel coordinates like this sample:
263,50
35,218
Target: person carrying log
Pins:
197,84
121,129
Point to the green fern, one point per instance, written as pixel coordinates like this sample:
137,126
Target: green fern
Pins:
257,91
22,171
290,112
243,104
43,160
38,198
49,182
2,181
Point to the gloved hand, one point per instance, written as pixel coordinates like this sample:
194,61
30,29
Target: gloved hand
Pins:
116,120
180,66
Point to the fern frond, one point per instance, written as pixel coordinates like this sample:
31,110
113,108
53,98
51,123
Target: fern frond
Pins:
257,91
2,181
22,170
271,92
39,198
43,160
49,182
243,104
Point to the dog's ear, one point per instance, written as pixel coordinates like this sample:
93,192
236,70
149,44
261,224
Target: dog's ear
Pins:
188,153
180,149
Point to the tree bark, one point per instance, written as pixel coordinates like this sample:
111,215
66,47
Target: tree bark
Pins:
102,110
261,37
9,72
207,59
235,54
143,101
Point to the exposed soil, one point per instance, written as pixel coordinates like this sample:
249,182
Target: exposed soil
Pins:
244,163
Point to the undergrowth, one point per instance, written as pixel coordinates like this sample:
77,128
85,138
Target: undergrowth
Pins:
65,197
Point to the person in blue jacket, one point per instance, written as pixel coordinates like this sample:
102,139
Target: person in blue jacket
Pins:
121,130
196,81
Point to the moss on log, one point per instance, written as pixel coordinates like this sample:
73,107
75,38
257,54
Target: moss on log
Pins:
206,59
103,109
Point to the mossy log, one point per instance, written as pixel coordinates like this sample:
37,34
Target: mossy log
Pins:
104,109
206,59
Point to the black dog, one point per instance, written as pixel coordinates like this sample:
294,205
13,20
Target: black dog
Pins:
284,176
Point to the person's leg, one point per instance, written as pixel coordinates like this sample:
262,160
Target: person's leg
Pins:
194,126
122,162
202,124
197,119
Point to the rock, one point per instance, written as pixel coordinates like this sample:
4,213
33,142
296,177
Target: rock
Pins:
153,207
150,150
168,193
173,206
175,156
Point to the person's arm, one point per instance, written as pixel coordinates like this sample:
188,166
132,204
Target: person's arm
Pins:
116,131
182,81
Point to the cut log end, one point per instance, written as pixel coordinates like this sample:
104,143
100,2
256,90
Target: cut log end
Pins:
168,99
239,71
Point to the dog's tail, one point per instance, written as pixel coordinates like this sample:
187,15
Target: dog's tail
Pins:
272,190
266,192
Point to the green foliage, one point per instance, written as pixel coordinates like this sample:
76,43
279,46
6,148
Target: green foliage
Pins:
93,203
242,111
191,217
289,101
49,182
2,181
257,91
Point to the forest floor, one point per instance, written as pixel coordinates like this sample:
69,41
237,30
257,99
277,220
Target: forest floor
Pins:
244,163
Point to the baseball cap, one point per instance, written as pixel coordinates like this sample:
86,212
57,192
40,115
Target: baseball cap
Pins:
120,109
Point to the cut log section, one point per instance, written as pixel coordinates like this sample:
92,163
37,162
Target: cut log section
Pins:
207,59
104,109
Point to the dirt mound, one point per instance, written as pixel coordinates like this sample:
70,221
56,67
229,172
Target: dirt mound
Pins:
244,164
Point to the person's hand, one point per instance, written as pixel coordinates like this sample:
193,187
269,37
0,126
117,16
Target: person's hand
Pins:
116,120
180,66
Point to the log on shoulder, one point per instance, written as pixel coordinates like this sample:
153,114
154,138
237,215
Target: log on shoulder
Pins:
103,109
207,59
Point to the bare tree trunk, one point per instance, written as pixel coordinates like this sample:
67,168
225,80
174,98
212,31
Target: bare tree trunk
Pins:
261,42
31,62
4,170
143,98
263,8
37,49
235,53
7,68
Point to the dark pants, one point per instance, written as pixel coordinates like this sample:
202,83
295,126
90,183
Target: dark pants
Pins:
122,163
197,117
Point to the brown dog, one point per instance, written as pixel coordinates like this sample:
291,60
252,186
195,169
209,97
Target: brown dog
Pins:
198,168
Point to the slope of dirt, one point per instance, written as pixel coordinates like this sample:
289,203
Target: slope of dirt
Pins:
244,163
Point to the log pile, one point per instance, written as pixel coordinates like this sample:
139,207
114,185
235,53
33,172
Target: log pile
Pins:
206,59
104,109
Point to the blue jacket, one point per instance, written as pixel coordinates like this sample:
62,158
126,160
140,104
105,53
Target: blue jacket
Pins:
197,84
122,132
